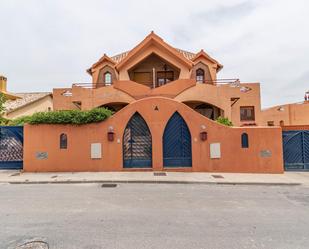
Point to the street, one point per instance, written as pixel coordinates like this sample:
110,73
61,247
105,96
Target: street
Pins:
187,216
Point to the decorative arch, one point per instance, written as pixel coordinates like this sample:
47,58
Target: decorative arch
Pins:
108,78
177,150
197,70
206,109
103,71
137,143
200,75
115,106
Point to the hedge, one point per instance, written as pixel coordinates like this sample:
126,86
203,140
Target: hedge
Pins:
76,117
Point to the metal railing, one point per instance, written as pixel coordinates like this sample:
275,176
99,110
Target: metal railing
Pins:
88,85
223,81
214,82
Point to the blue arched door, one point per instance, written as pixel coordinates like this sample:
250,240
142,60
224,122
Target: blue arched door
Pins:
137,144
177,143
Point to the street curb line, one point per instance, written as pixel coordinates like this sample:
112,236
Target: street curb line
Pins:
156,182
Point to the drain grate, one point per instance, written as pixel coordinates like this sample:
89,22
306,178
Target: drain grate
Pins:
217,176
159,174
109,185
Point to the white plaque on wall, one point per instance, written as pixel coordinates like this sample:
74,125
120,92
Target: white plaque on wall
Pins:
215,150
96,151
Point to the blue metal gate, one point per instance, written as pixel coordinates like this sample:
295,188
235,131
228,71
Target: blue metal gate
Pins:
296,150
11,147
137,144
177,143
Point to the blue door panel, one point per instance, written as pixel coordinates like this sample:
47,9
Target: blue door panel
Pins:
296,150
137,144
177,143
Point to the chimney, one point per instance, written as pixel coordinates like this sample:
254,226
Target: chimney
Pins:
3,81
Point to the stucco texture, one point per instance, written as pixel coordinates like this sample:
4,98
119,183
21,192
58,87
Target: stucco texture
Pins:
45,138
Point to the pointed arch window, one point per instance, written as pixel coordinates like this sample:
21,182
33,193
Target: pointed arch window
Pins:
244,140
200,75
63,141
108,78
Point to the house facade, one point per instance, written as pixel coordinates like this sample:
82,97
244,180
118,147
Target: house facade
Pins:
166,101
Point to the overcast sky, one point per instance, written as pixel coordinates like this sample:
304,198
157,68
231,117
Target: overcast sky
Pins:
46,44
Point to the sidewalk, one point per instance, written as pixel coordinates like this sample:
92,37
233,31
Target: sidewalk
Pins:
288,178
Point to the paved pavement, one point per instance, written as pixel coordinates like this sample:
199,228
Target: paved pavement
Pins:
289,178
134,216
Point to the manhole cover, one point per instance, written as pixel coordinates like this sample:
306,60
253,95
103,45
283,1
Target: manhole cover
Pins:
159,174
33,245
109,185
217,176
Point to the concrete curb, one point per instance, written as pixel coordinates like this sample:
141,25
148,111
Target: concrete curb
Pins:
155,182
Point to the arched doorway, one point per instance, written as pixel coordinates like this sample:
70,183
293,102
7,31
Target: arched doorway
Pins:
137,144
177,143
207,110
115,107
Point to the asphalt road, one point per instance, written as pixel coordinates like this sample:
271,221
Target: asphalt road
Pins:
78,216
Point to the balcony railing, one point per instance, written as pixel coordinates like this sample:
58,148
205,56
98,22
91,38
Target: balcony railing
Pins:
235,82
223,81
88,85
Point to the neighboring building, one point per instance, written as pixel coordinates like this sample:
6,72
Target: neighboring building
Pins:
287,115
22,104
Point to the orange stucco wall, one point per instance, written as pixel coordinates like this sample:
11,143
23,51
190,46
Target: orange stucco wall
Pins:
45,138
179,90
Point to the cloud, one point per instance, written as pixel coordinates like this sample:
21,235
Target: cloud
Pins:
46,44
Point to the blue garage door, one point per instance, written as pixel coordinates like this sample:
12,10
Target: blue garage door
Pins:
177,143
296,150
137,144
11,147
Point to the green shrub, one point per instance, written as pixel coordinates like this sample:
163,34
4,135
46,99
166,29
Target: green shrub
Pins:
19,121
224,121
76,117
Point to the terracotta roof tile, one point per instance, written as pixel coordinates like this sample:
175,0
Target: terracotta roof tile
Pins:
119,57
25,99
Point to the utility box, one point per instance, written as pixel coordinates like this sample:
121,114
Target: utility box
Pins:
96,151
215,150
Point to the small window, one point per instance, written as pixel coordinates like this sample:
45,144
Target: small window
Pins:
281,123
270,123
108,78
63,141
247,113
200,75
244,140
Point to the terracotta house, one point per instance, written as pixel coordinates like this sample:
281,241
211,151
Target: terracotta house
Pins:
166,101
